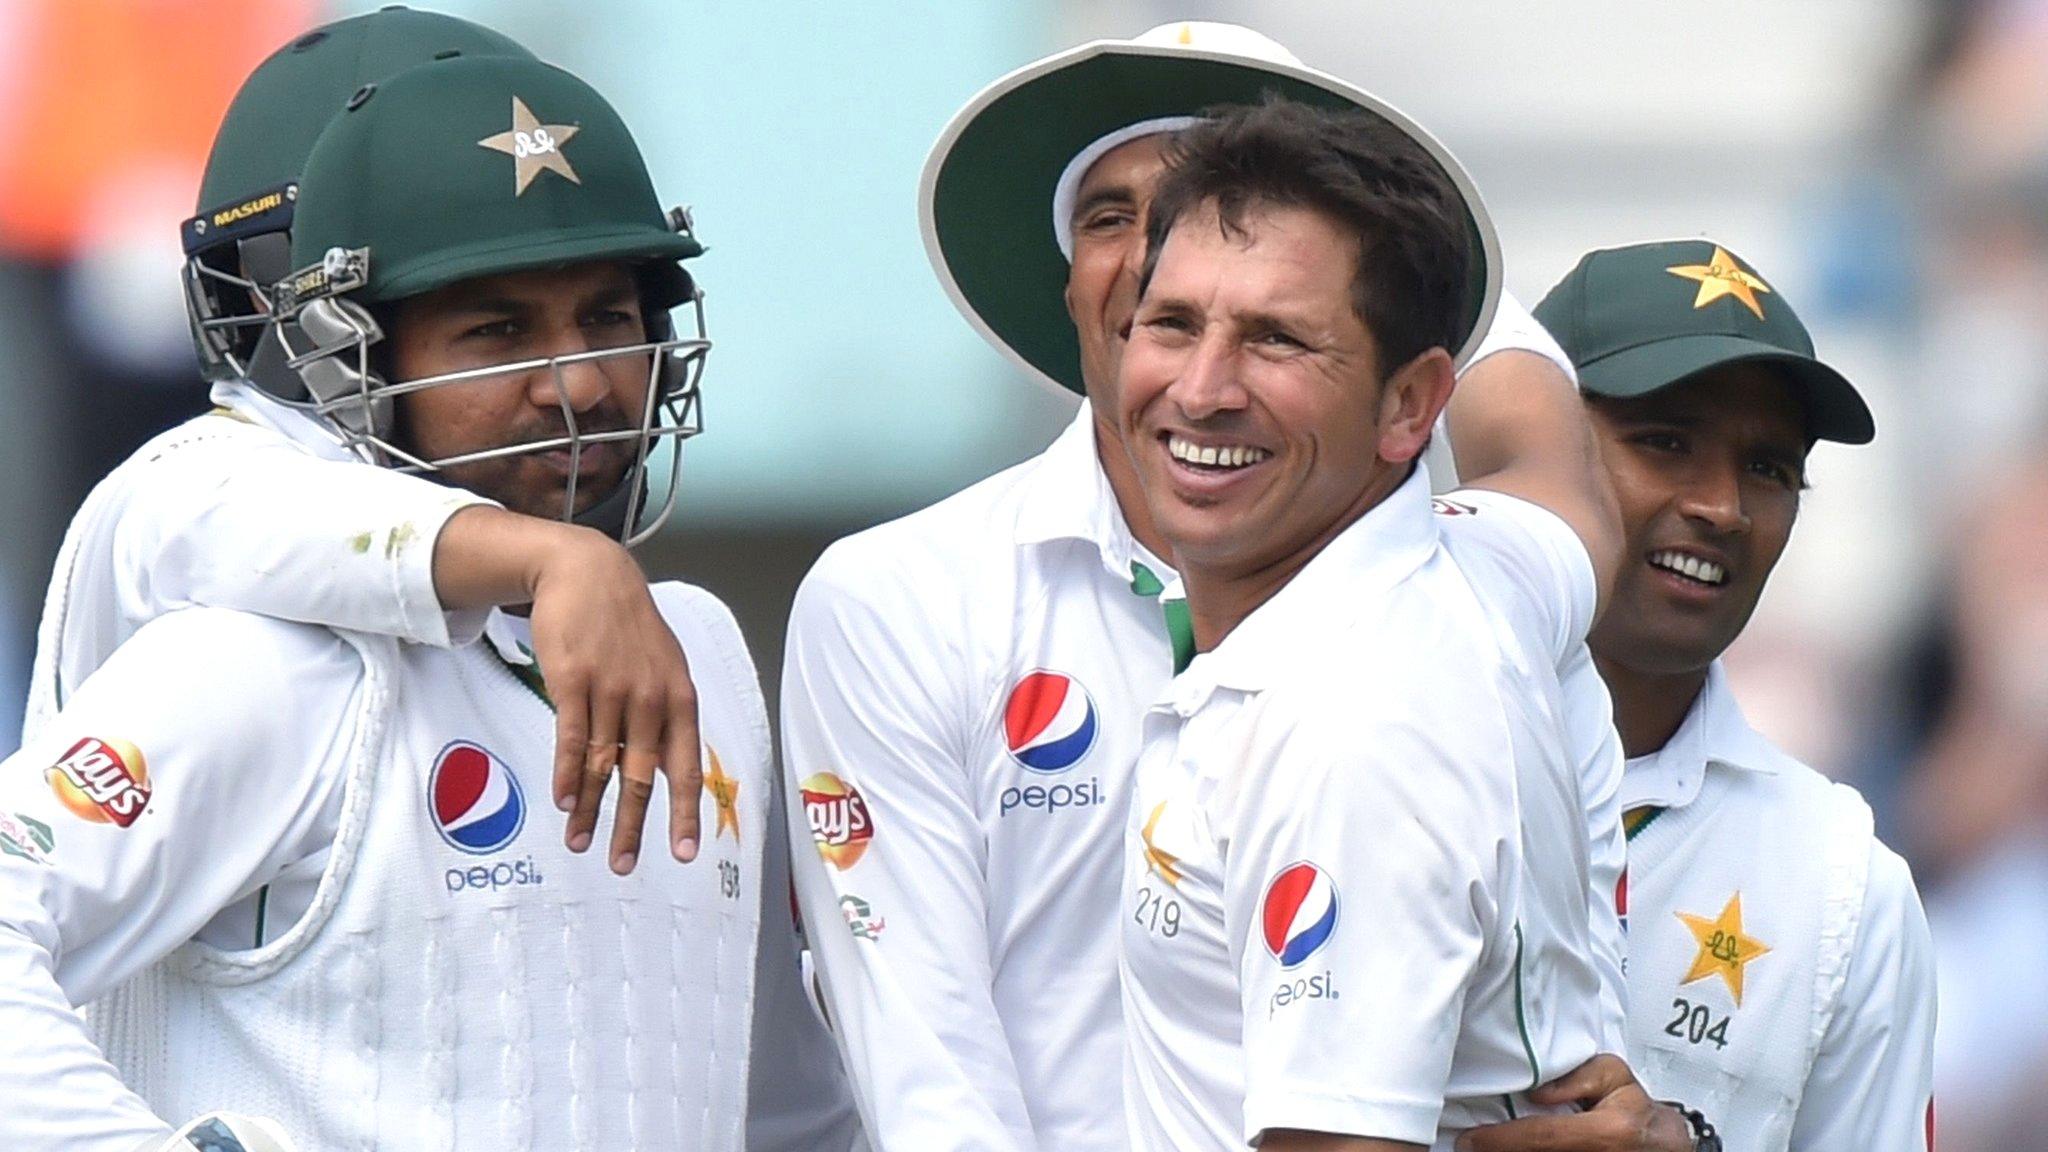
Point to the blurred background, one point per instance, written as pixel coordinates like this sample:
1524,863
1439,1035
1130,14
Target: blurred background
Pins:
1883,163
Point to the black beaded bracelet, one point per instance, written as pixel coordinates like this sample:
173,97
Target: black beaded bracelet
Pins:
1704,1138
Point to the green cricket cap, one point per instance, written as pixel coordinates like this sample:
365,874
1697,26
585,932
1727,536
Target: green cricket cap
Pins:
986,202
281,108
474,166
1646,316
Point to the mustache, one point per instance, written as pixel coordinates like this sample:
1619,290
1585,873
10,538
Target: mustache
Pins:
607,416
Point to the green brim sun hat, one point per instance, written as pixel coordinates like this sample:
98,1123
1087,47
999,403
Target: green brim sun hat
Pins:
997,184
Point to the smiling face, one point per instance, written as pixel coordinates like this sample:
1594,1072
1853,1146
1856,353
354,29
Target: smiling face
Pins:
1708,472
514,317
1252,399
1108,226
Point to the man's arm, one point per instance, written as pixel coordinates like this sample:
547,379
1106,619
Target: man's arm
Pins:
1618,1116
797,1098
897,917
1402,816
1285,1140
242,517
1517,426
193,768
1873,1079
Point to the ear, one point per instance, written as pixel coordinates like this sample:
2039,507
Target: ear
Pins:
1409,403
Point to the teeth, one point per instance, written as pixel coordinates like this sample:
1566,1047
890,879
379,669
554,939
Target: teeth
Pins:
1704,571
1233,456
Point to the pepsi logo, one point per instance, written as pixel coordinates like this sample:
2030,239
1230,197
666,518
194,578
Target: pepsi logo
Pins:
1049,721
1621,900
476,801
1300,912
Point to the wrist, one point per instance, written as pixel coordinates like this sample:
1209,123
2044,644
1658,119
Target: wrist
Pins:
1704,1138
489,557
557,548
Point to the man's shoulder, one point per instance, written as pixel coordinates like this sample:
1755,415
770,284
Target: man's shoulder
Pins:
220,430
694,612
947,544
1788,783
1443,688
226,656
1497,535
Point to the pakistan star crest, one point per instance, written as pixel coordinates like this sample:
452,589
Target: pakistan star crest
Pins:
533,146
1722,276
1725,949
725,792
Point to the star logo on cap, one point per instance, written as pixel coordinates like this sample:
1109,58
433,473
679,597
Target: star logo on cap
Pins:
533,146
1725,950
1722,276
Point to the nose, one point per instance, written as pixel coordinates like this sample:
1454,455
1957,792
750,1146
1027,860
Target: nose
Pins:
1713,500
1208,383
578,384
1133,265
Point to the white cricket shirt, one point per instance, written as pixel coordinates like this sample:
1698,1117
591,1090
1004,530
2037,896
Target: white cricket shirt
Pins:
1356,885
961,702
217,755
1781,975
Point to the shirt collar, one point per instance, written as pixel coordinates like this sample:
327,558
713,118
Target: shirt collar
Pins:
246,400
510,636
1713,733
1384,546
1068,497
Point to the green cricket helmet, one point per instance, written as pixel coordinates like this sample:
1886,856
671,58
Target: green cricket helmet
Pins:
471,167
239,240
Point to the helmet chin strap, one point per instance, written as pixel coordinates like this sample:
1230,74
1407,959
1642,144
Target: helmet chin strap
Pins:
609,514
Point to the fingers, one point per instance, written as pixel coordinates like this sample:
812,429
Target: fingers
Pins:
1584,1132
636,785
1587,1084
685,777
570,694
600,754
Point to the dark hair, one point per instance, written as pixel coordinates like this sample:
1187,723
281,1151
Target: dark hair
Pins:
1411,286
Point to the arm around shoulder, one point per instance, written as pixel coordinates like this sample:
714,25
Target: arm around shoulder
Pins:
249,520
1517,426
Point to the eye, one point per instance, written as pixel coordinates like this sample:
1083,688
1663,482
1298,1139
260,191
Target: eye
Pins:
492,330
1108,219
1782,475
610,318
1659,440
1168,322
1281,341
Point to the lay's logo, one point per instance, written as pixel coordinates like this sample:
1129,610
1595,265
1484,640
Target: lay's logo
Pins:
104,781
839,820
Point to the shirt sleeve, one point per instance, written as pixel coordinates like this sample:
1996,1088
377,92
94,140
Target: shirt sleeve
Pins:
891,882
1545,569
1515,330
179,779
1872,1083
1360,895
244,518
797,1099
